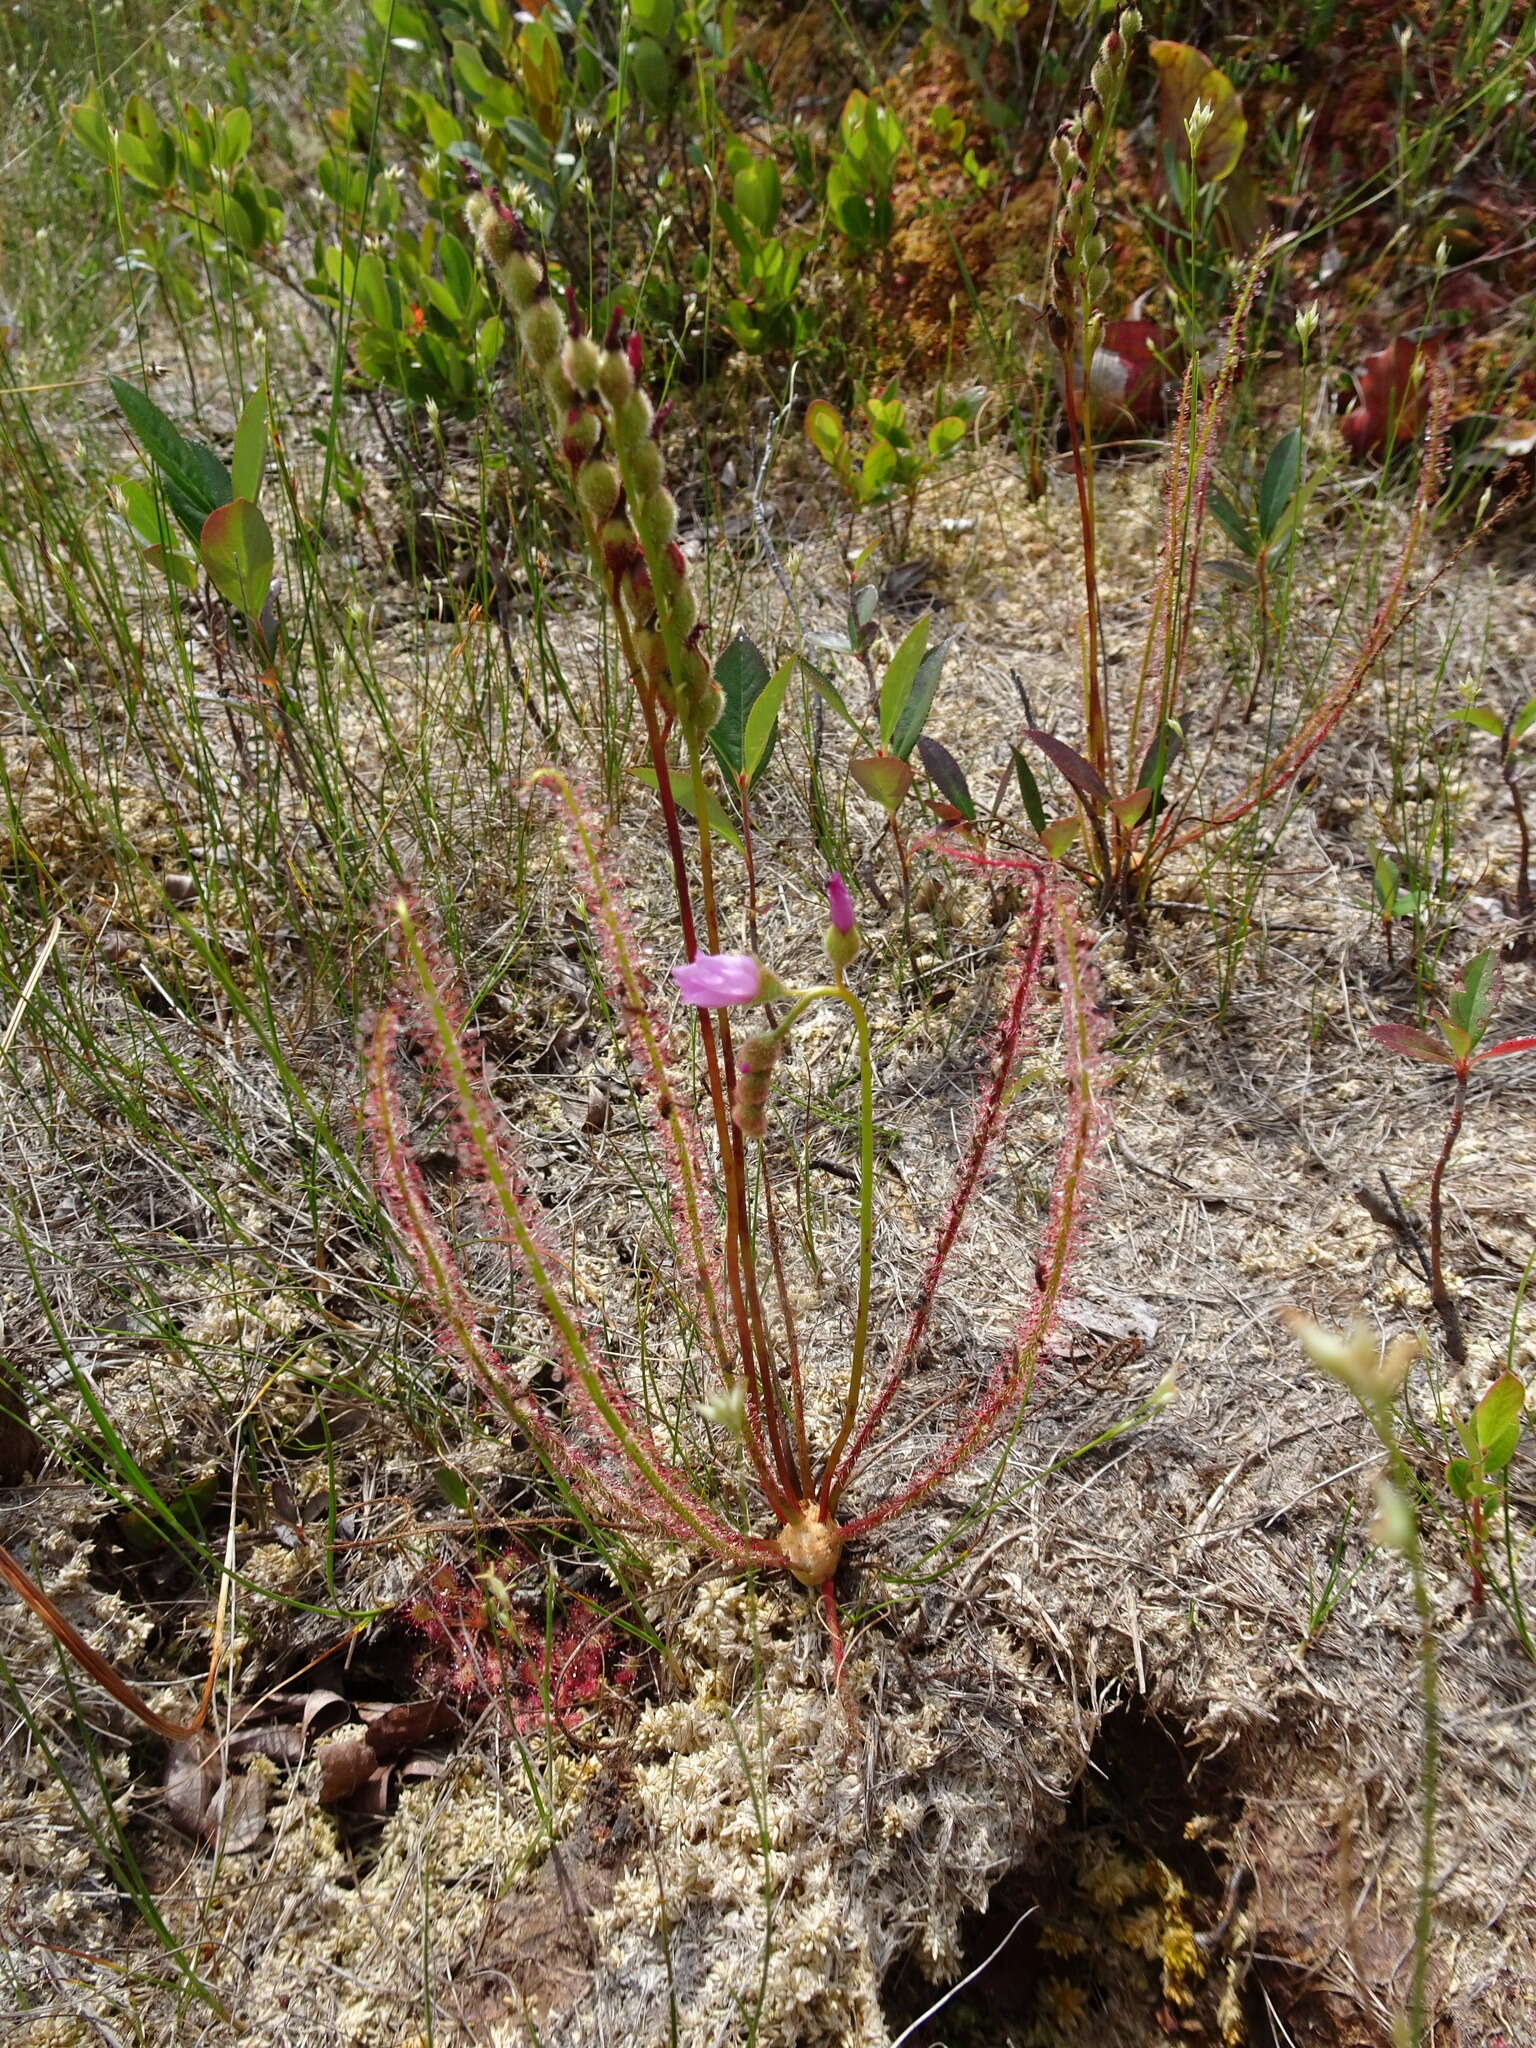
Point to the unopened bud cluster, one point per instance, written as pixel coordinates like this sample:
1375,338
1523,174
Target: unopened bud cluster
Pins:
755,1062
607,432
1078,257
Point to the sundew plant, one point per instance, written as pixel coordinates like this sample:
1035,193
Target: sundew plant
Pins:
813,1497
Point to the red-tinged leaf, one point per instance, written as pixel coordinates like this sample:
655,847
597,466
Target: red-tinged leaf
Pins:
1503,1048
1393,389
1130,810
236,550
1059,835
1081,774
344,1768
1412,1044
883,777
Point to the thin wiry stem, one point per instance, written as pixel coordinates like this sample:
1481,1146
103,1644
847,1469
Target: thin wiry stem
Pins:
1010,1383
985,1130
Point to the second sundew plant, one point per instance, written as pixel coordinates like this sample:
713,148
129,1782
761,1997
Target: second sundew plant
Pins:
816,1490
1142,792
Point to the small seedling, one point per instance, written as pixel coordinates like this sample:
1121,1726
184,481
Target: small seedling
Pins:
1480,1477
1462,1029
214,507
895,465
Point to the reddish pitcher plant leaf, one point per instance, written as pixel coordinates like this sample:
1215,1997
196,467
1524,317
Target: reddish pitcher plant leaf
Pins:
1187,80
1393,387
1128,378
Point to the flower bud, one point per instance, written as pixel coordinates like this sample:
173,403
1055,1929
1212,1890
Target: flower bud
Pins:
647,469
656,520
617,541
651,653
615,379
672,567
1102,79
682,611
597,486
557,386
542,327
520,278
841,938
580,435
1130,23
632,423
581,358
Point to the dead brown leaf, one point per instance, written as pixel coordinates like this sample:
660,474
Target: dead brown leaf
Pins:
345,1766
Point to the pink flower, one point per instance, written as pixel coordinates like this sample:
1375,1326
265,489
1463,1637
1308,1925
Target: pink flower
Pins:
839,904
716,981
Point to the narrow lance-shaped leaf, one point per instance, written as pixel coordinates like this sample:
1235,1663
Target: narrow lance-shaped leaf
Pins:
763,720
1504,1048
1082,775
1470,1005
1029,791
250,451
1277,487
1166,747
900,676
829,693
913,715
947,776
196,482
742,675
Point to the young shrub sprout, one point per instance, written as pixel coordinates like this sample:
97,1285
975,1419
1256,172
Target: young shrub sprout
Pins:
1460,1047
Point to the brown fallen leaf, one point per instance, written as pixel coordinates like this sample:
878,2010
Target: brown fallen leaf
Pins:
345,1766
237,1814
283,1745
402,1727
193,1772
